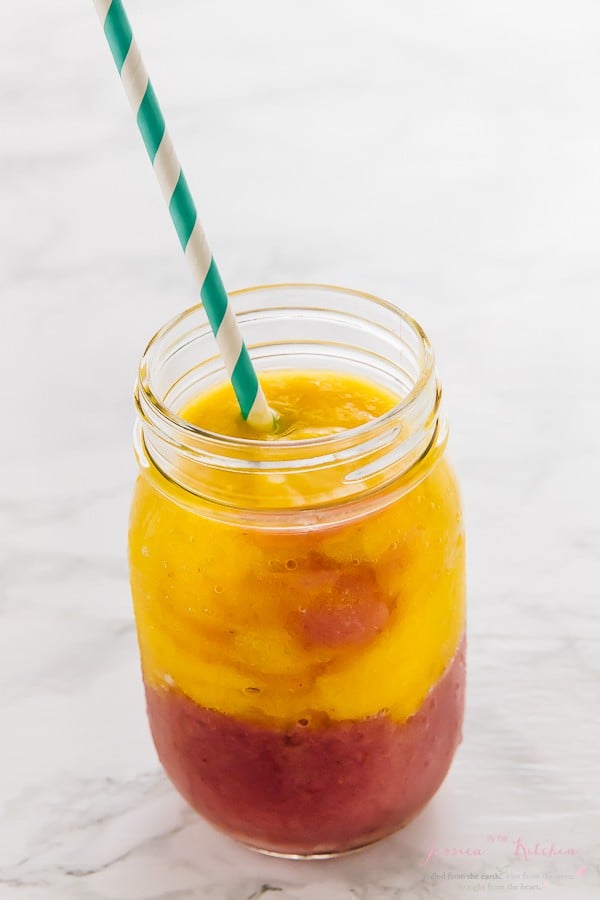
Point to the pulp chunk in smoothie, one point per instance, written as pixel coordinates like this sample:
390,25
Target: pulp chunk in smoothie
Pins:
323,638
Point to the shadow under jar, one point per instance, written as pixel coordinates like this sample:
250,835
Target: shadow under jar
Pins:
300,604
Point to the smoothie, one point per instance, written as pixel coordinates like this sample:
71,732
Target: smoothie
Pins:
305,687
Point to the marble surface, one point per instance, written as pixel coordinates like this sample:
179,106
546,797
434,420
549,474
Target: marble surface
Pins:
443,155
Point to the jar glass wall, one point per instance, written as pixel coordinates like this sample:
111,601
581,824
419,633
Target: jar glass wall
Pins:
300,603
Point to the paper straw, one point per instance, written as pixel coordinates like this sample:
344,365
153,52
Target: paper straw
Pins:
127,57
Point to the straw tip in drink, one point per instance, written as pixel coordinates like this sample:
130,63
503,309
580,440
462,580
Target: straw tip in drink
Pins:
264,420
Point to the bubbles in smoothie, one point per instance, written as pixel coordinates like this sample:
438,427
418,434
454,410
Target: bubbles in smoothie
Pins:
291,564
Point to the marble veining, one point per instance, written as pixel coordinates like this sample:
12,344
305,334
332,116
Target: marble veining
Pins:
442,155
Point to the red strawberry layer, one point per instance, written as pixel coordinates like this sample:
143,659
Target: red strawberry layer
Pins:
309,788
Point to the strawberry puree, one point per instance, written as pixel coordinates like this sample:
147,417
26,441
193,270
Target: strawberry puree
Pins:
309,788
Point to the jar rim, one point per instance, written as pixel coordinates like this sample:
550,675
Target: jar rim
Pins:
325,444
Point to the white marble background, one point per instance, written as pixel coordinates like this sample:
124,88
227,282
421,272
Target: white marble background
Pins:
444,155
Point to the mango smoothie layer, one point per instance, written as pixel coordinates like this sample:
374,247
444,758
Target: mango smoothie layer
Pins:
317,626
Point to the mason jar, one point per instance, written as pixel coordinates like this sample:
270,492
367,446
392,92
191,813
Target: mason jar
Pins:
300,604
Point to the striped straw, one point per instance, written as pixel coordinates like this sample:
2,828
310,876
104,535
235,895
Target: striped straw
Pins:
127,57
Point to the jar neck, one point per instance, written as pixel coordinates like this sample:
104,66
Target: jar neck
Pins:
296,327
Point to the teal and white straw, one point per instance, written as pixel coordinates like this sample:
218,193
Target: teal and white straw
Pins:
182,209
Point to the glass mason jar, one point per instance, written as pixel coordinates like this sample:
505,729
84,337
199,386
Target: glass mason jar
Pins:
300,605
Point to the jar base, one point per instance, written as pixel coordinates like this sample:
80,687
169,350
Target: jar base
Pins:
323,854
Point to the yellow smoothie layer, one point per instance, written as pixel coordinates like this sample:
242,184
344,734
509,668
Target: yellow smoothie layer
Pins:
307,404
340,621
